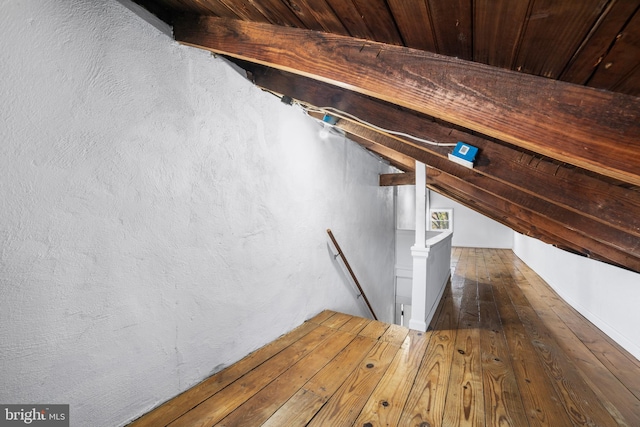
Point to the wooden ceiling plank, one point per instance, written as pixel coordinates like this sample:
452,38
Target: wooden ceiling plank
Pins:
210,6
245,9
278,13
592,129
631,84
559,27
557,184
398,159
599,41
622,59
452,22
600,235
393,179
414,24
497,27
351,18
377,16
317,15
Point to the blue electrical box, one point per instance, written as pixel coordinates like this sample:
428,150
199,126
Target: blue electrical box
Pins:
330,119
464,154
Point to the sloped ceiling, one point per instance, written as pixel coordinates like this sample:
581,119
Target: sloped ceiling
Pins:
547,90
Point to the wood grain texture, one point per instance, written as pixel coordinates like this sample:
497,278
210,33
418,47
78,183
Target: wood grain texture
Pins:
245,9
179,405
228,399
278,13
554,183
427,398
328,380
552,118
525,210
614,395
346,403
351,18
319,318
571,388
585,233
598,42
317,15
540,399
561,26
501,350
452,22
208,7
465,397
622,364
297,411
622,60
497,30
379,20
401,160
264,403
406,178
503,404
414,23
385,404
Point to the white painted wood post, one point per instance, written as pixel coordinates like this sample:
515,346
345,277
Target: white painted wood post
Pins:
420,254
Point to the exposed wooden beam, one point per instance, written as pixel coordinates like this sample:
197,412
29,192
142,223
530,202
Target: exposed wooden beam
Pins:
558,184
397,159
592,129
503,218
540,226
490,210
392,179
513,223
603,241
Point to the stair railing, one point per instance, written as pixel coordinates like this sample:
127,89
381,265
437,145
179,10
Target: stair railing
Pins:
353,276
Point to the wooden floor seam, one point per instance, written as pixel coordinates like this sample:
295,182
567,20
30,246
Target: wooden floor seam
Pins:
503,349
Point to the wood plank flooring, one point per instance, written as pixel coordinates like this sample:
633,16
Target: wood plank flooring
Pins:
502,350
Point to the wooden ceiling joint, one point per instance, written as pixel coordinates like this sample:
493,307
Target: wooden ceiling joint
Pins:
595,130
554,183
609,243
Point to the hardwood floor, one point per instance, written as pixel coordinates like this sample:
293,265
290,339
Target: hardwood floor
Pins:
502,350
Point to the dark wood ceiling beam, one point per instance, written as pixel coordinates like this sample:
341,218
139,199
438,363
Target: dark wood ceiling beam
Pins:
592,129
595,46
557,184
393,179
608,242
622,60
503,218
396,158
540,226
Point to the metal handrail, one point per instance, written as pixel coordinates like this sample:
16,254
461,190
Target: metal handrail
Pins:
353,276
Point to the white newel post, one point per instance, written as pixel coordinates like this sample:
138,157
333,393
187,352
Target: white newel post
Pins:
420,253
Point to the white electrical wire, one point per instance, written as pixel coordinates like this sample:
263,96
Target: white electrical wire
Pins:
344,114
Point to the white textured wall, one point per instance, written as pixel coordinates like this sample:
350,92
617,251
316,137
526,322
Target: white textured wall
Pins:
160,216
606,295
470,229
